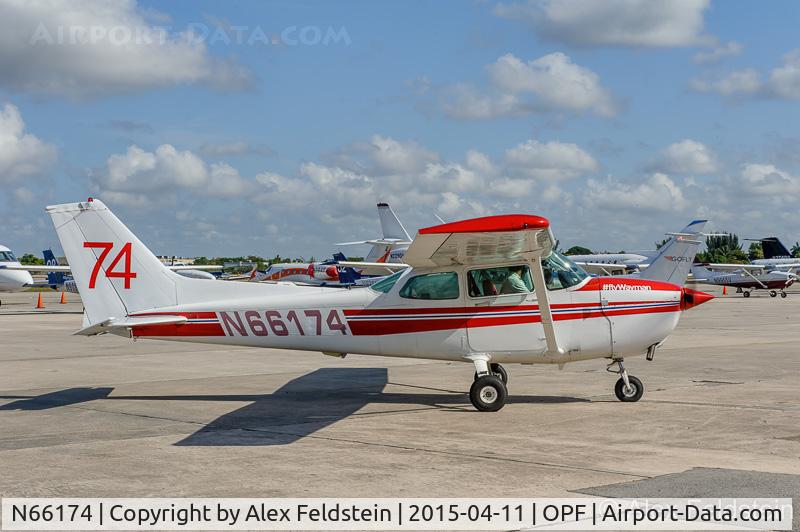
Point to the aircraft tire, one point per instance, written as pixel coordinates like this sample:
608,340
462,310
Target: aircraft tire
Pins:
498,371
488,394
630,397
773,293
784,294
746,294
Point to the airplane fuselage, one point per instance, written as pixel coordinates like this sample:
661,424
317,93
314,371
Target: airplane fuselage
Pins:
599,317
12,280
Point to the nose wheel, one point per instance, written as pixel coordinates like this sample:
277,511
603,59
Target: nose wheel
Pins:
628,388
783,294
488,392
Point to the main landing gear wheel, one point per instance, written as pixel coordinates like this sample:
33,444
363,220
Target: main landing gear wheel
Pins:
783,294
628,388
746,294
631,393
773,293
497,371
488,393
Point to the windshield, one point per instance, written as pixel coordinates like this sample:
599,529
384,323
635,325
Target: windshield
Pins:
7,256
386,284
560,272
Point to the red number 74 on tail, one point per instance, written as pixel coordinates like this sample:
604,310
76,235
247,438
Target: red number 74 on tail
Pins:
125,253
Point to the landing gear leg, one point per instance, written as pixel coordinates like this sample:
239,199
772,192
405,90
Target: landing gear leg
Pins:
488,392
498,371
628,388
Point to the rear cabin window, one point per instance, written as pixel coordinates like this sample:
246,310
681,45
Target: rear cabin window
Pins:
499,281
442,285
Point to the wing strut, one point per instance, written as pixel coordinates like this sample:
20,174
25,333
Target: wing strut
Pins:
535,261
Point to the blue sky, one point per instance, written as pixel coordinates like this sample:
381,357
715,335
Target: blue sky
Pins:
618,120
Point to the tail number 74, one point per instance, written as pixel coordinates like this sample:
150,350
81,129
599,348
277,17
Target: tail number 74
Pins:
106,247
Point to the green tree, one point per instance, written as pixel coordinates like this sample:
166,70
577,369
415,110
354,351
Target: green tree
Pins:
796,249
723,249
756,251
661,244
30,258
578,250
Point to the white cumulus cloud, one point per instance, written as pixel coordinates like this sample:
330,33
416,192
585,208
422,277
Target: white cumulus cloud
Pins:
517,88
687,157
657,193
137,176
718,53
782,82
80,48
551,161
635,23
22,155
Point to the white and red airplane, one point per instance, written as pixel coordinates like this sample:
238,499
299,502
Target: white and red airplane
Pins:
484,291
314,273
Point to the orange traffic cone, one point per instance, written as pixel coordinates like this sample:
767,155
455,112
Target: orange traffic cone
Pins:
63,298
724,290
39,303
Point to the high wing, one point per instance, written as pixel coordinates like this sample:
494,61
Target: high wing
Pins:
205,267
600,268
36,268
389,267
487,241
720,267
481,241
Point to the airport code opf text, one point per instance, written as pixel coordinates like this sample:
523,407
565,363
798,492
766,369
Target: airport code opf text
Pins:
398,514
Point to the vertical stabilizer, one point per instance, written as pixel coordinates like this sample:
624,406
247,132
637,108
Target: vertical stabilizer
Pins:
675,258
114,272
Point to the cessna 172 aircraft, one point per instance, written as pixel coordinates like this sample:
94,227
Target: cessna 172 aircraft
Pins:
745,277
484,291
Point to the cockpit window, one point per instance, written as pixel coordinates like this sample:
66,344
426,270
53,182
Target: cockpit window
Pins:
499,281
7,256
384,285
442,285
560,272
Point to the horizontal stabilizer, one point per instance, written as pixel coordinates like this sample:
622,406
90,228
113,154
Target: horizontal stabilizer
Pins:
123,325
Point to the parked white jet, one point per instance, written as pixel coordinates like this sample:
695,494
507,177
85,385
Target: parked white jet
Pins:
389,249
482,291
12,277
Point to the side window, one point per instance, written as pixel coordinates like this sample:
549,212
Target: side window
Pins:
386,284
499,281
431,286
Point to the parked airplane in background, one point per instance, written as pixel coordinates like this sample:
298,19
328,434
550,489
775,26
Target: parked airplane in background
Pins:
328,273
483,291
776,256
744,277
12,277
386,250
612,263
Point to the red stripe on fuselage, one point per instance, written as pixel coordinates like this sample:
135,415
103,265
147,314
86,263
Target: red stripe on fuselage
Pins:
180,329
383,327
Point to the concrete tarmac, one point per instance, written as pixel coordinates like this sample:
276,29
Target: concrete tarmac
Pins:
106,416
